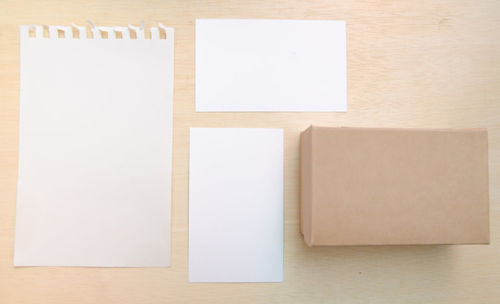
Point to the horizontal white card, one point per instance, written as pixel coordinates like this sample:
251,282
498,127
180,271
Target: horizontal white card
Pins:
236,205
270,65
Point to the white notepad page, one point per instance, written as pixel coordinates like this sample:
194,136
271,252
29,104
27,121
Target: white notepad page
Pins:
95,149
270,65
236,205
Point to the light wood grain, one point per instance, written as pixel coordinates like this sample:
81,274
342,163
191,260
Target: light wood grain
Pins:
410,64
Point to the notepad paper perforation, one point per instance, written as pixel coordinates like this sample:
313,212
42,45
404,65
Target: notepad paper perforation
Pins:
96,32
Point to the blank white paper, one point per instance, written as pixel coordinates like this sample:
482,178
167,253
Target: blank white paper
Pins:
270,65
95,152
236,205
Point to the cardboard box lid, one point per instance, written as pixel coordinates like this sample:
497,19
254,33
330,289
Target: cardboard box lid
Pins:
363,186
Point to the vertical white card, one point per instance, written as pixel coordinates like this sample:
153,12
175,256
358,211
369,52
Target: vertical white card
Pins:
95,150
236,205
270,65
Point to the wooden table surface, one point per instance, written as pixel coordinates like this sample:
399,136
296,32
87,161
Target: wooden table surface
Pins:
410,64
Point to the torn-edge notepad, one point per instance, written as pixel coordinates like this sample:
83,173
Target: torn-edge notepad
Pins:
236,205
270,65
95,147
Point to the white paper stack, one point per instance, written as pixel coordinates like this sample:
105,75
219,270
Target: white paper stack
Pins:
236,205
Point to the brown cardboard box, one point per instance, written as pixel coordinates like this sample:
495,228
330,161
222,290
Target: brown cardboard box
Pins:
363,186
